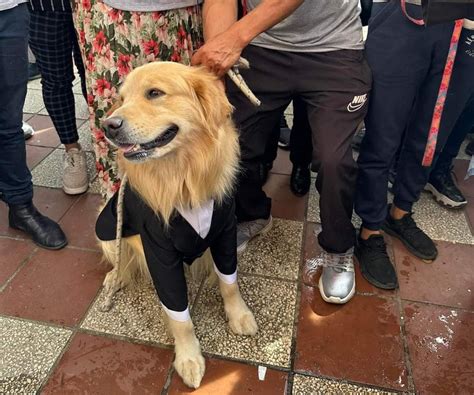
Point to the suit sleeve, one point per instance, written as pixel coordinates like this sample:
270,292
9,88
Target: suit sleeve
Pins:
106,225
165,264
224,247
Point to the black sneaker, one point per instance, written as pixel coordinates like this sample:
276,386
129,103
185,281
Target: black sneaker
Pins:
414,239
374,262
445,191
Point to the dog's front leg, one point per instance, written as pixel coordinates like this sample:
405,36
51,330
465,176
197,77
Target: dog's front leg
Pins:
241,319
188,362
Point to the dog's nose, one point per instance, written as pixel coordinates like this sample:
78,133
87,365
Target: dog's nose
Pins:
112,126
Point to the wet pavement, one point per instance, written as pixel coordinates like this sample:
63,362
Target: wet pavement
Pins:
54,339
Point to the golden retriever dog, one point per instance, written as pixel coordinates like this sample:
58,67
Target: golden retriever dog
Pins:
179,148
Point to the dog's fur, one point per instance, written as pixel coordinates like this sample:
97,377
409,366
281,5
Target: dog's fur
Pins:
199,164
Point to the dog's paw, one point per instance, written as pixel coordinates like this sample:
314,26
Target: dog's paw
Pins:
243,324
191,369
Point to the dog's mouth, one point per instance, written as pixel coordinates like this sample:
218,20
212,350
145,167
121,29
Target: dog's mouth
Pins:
142,151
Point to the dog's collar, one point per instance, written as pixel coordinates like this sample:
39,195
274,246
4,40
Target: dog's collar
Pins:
200,218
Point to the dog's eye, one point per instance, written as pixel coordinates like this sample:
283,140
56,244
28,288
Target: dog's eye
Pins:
154,93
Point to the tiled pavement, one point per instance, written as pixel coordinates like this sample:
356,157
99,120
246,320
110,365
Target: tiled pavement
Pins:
53,339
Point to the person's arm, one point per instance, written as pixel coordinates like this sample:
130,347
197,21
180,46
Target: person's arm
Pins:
226,37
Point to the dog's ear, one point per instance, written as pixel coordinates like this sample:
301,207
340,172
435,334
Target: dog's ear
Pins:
212,98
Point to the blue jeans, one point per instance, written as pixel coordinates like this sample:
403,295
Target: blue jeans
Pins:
15,177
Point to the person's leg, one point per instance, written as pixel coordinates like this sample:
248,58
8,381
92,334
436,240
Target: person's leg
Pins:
16,188
15,178
441,183
301,149
399,65
76,52
336,106
51,40
257,126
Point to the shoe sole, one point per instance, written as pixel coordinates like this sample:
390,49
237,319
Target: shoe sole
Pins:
427,259
75,191
285,147
443,199
333,299
59,247
241,248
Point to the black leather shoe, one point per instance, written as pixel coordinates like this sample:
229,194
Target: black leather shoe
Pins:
300,180
44,231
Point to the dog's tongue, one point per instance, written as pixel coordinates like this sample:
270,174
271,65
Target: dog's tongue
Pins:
127,148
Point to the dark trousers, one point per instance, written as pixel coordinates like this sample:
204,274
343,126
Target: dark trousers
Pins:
462,127
53,41
301,149
407,63
334,87
15,178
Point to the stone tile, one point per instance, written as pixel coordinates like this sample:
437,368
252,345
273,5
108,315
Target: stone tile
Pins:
469,211
462,152
35,155
35,84
440,342
76,88
276,253
94,186
315,385
451,272
441,223
54,286
313,214
313,249
136,314
50,202
82,111
45,133
49,172
272,302
26,116
98,365
460,171
359,341
226,377
33,101
79,222
284,204
282,164
28,353
13,253
85,137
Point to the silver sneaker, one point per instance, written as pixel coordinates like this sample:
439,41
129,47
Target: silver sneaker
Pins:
246,231
75,179
337,281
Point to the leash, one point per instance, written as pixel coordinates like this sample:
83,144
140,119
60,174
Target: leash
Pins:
432,140
118,230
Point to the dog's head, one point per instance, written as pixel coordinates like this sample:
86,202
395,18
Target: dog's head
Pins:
164,106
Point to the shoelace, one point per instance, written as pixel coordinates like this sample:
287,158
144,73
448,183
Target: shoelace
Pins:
339,262
72,158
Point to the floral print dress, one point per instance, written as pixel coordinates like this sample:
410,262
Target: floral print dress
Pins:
113,42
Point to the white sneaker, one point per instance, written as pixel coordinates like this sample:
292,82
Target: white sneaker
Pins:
75,179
